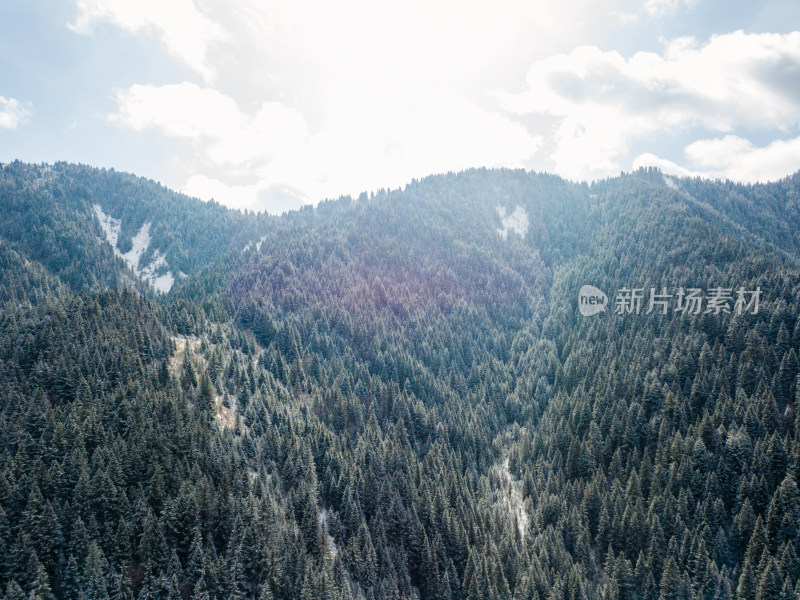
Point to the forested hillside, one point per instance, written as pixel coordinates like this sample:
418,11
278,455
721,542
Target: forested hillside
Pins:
396,396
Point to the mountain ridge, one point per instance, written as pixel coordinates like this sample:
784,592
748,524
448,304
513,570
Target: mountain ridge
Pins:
389,398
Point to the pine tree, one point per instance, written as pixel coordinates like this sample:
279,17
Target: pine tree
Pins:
672,585
14,592
41,590
205,399
747,582
769,583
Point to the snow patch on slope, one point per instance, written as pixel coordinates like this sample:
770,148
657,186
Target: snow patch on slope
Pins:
322,517
517,221
140,243
182,345
257,244
225,416
163,283
110,227
670,182
510,495
155,273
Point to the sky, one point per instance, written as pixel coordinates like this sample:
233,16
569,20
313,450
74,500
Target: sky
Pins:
272,104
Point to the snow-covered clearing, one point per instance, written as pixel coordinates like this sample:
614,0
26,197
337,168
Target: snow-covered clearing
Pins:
182,344
517,221
225,416
257,244
110,227
322,515
156,273
510,495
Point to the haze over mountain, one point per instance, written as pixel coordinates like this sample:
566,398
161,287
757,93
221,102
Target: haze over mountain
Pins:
396,395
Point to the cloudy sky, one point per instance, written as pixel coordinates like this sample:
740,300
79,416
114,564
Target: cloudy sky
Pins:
269,104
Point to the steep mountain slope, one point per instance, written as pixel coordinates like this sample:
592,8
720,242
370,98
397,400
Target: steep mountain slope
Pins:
74,220
396,396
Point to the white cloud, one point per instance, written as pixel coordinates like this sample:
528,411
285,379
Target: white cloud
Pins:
182,28
601,102
732,157
270,157
12,113
668,167
224,135
736,158
314,100
659,8
387,145
234,196
655,9
625,18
